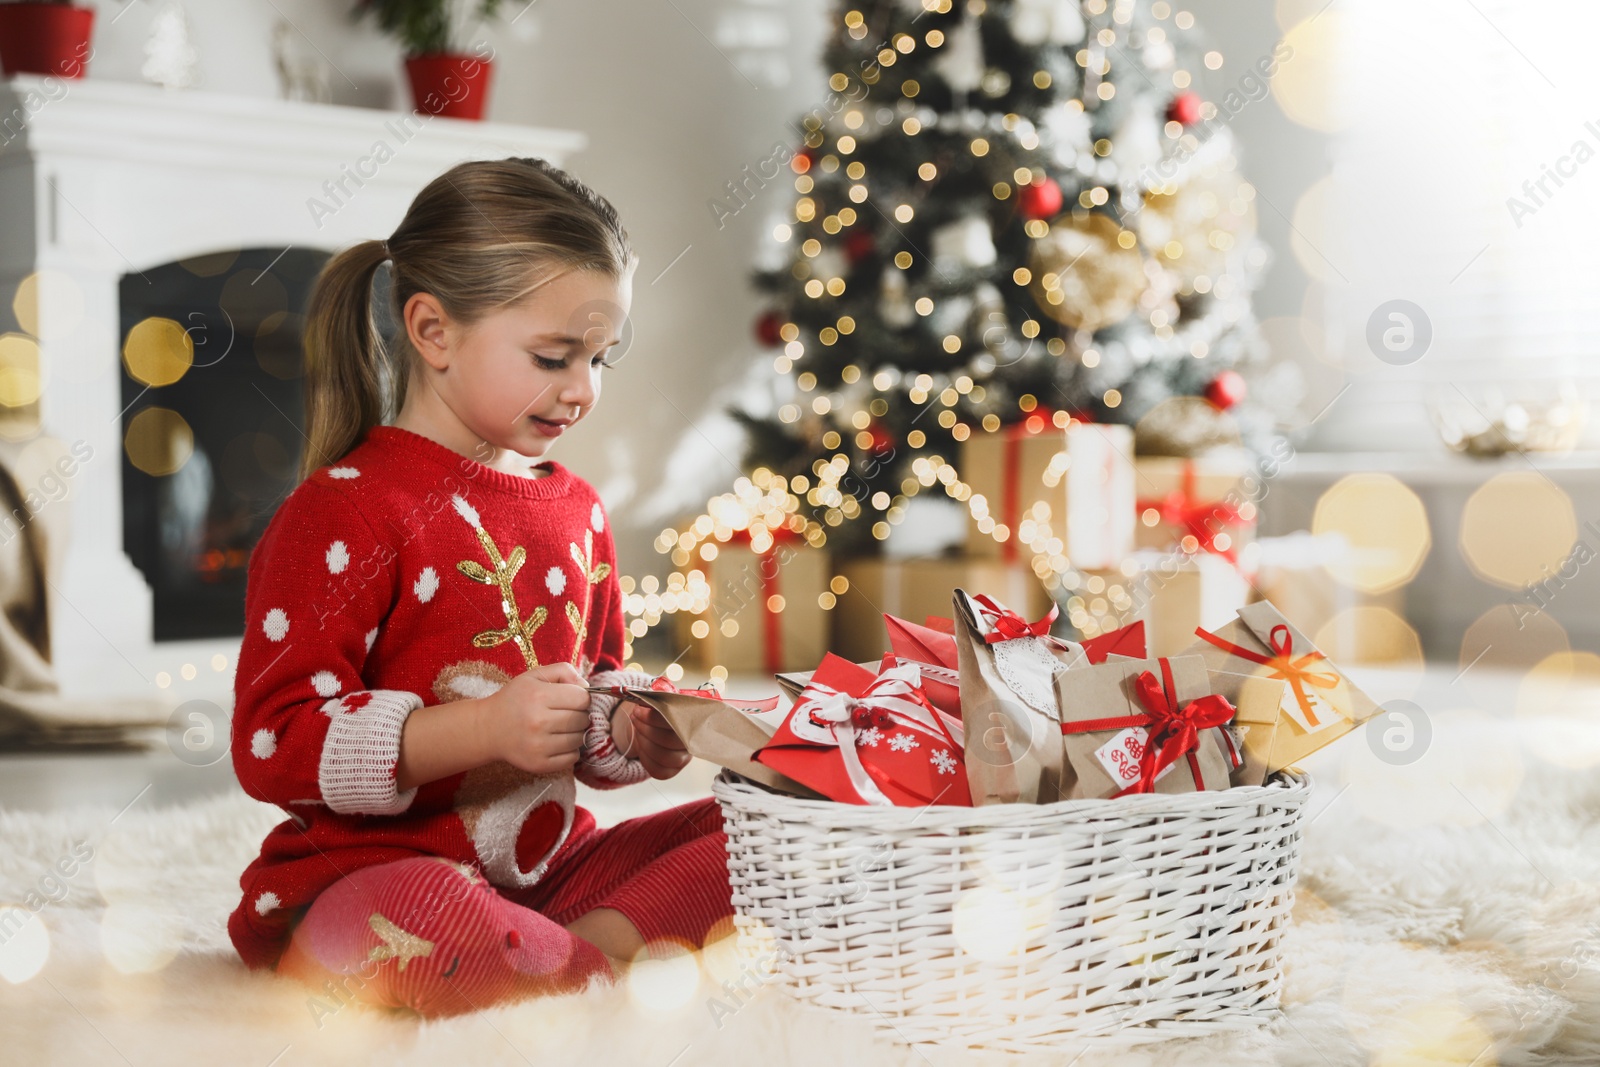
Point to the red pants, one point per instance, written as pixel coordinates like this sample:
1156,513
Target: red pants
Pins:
432,935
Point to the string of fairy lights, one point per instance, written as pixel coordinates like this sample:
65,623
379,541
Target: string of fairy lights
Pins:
767,507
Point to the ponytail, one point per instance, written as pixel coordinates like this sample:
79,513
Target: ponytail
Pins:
346,360
481,236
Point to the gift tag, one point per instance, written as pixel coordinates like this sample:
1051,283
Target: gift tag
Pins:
1320,708
1120,756
1029,670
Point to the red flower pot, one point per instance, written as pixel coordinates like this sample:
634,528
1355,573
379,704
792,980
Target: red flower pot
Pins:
450,84
45,39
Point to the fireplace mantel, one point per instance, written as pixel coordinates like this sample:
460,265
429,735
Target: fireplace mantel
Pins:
104,179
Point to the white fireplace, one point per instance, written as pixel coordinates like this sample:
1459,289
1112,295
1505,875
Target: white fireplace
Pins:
101,180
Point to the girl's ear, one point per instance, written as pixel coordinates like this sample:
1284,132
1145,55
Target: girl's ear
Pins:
427,328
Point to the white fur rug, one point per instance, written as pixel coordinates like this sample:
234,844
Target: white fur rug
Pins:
1449,913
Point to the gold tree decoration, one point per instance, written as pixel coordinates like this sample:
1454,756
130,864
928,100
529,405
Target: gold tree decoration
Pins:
517,628
595,574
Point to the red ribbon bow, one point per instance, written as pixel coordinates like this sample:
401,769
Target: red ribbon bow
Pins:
1203,520
1008,625
1284,665
1174,731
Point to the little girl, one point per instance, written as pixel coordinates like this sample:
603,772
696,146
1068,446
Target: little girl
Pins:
424,613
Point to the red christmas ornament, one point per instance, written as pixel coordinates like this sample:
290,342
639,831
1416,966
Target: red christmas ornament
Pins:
1185,108
859,245
769,329
882,439
1039,201
1227,389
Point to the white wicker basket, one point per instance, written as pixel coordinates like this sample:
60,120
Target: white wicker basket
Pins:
1021,927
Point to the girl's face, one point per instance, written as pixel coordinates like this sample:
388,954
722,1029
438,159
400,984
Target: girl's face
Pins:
520,377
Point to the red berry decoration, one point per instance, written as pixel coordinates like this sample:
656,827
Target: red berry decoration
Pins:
769,329
1185,108
1040,201
1227,389
859,245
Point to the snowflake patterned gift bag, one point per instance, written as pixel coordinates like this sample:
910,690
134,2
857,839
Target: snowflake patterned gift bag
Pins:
1145,726
1008,702
864,739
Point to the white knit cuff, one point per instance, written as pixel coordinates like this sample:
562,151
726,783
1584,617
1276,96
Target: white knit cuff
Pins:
361,752
600,765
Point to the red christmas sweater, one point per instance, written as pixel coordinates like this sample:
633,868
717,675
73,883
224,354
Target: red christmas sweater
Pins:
402,576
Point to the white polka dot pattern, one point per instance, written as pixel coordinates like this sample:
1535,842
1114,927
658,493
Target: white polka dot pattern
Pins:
276,624
426,585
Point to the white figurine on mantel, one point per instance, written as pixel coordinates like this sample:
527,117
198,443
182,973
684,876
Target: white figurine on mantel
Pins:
301,75
170,59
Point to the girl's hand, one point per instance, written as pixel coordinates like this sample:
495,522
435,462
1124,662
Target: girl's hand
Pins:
642,733
539,719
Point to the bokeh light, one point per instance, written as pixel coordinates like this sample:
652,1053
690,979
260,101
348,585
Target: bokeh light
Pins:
159,441
158,351
1309,85
139,936
48,304
1407,1032
250,296
666,981
989,923
277,345
1558,709
24,951
1371,633
1511,637
21,377
1385,524
1311,237
211,264
1517,528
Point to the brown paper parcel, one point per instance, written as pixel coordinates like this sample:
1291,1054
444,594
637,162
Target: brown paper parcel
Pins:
720,734
1107,691
1319,703
1013,741
1255,722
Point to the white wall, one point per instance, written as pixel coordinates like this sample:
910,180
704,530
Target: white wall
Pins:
669,120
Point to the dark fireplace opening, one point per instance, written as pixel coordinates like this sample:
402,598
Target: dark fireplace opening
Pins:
212,424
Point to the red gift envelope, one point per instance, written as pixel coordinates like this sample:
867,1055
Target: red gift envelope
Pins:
1128,641
933,650
864,739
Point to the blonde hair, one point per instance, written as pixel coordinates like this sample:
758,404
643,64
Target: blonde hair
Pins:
479,237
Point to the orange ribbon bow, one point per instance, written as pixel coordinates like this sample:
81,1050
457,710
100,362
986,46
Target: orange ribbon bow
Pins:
1284,665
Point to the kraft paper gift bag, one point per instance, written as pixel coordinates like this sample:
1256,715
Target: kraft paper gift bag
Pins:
1011,722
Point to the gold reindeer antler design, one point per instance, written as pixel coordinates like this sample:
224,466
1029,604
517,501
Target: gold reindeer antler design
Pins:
517,628
595,574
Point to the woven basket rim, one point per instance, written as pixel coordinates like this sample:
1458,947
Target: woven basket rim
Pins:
1291,785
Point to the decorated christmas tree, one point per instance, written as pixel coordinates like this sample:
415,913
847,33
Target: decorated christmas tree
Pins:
1007,211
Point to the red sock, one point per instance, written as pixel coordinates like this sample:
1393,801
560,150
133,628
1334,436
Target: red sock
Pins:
433,936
